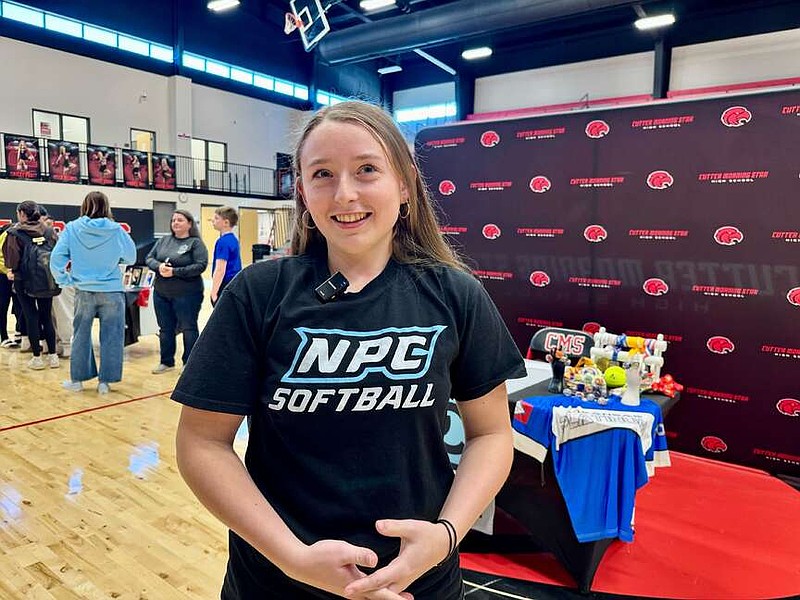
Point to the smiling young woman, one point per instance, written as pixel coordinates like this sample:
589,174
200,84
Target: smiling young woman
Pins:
346,468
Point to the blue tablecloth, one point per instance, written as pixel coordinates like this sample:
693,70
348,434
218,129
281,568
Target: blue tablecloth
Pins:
601,455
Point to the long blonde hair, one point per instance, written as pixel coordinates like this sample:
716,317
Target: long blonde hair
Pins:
417,239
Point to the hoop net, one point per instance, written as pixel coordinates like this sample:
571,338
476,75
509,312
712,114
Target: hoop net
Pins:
291,22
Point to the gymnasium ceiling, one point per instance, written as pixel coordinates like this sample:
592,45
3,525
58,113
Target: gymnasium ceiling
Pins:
571,31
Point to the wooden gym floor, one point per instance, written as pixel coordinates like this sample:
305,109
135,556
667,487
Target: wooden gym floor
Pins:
91,502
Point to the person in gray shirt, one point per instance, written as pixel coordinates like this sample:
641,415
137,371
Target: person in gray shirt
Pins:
179,260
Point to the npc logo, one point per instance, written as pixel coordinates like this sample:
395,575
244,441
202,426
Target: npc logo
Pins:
539,279
447,187
728,235
491,231
597,129
719,344
540,184
660,180
655,287
789,407
335,356
595,233
490,139
735,116
793,296
712,443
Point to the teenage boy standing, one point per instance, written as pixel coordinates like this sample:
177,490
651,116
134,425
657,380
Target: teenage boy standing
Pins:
227,256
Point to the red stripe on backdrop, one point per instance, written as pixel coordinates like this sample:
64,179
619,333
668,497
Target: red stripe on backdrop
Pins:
704,529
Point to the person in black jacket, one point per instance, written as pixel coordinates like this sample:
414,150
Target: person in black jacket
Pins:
179,260
37,311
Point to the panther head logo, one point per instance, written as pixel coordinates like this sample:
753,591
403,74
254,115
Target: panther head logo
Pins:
660,180
719,344
540,184
728,235
789,407
595,233
539,279
735,116
447,187
655,287
491,231
712,443
490,138
597,129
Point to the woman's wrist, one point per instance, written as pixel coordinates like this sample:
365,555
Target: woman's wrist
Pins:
452,539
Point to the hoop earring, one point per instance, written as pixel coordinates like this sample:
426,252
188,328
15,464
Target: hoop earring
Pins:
305,219
408,210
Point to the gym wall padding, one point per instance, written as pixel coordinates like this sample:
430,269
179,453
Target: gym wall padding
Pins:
679,218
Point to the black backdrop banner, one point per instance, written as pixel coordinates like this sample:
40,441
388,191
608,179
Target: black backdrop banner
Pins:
674,218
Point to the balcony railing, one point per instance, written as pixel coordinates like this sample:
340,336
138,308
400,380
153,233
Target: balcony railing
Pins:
189,174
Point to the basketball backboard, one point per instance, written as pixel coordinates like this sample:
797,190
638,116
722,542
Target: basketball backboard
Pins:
313,22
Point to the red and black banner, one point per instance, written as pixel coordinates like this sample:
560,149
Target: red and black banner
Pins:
675,218
134,169
102,165
164,171
22,157
64,159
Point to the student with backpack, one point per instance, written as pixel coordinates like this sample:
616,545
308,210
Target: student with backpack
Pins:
87,257
26,252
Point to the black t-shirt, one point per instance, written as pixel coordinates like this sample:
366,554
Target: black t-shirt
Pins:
348,400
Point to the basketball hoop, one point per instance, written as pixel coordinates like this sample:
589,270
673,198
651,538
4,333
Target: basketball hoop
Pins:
291,23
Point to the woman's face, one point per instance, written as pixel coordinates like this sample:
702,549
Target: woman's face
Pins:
180,225
350,190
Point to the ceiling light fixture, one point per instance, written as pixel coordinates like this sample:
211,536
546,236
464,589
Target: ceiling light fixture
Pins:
220,5
654,22
370,5
474,53
390,69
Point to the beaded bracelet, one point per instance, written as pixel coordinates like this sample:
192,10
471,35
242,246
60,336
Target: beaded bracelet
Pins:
452,538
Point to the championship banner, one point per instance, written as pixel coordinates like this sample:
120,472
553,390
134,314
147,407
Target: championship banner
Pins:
134,169
64,160
164,171
102,165
22,157
677,218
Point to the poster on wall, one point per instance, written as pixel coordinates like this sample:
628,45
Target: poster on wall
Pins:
102,165
64,161
164,171
22,157
134,168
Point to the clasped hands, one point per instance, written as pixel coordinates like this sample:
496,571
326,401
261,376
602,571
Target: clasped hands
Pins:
333,565
165,270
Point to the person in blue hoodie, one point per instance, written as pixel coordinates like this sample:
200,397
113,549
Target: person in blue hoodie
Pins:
87,256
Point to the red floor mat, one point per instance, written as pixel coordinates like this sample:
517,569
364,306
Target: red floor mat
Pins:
704,529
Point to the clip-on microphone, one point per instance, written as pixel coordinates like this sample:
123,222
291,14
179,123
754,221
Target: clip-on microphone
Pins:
331,288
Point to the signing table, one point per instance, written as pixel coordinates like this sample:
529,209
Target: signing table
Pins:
577,466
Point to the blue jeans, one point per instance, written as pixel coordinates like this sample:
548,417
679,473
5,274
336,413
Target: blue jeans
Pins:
109,307
173,315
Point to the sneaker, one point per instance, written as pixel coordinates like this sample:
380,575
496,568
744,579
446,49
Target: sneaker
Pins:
66,350
25,345
162,368
9,343
72,386
52,361
36,363
102,388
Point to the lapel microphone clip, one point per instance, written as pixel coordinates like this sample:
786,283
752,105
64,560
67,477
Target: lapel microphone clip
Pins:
332,287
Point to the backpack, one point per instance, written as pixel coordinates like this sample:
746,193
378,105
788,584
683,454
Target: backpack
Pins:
34,265
3,233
